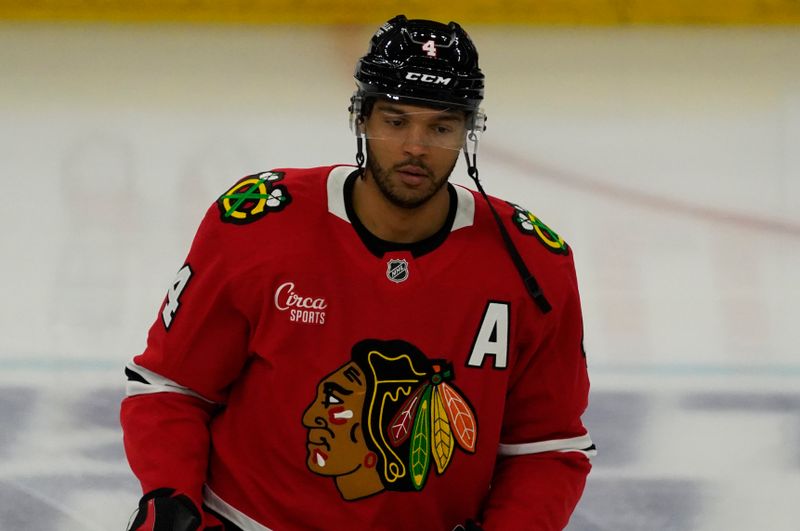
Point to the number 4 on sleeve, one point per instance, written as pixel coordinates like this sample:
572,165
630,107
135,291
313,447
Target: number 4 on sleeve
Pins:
173,295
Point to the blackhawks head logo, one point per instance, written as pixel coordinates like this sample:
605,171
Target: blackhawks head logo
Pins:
253,197
383,420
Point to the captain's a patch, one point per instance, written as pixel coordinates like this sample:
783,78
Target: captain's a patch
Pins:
529,224
254,197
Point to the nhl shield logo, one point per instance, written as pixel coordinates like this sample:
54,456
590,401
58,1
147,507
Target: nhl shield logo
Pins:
397,270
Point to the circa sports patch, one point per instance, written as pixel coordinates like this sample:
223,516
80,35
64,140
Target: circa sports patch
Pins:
385,418
529,224
253,197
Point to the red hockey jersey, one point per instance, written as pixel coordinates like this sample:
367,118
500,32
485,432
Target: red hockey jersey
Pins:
303,374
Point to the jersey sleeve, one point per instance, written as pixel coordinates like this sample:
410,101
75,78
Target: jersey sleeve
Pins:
543,458
195,349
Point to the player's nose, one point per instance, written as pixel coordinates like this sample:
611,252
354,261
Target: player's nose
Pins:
416,141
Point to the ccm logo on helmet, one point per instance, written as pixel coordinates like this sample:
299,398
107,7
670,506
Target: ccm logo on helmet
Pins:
428,78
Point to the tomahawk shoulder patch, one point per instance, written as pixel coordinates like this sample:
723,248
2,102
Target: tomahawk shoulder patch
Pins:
253,197
530,225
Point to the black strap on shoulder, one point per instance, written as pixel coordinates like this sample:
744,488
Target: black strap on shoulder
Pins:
531,285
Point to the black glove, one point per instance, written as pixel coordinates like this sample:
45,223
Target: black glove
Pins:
159,510
471,525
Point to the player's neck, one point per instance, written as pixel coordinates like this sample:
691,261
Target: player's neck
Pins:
392,223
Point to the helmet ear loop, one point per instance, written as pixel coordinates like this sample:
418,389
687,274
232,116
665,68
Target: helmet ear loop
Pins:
472,158
360,159
477,124
357,126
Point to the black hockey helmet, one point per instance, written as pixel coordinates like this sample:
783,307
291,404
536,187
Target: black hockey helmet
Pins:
420,61
427,63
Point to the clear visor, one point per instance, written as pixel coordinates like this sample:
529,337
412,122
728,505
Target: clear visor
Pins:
428,124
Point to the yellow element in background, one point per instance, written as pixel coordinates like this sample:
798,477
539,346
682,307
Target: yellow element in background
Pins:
373,12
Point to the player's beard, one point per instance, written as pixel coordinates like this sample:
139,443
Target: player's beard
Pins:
392,191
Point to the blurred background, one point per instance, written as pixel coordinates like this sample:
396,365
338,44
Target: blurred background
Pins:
660,138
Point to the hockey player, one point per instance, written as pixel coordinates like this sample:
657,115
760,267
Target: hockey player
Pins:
365,347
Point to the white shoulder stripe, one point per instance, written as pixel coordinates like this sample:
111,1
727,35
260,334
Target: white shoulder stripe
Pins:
336,179
146,382
581,444
465,215
231,513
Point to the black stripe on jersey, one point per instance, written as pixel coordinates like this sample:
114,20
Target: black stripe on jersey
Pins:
135,376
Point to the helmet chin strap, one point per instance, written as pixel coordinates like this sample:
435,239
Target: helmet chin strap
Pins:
531,285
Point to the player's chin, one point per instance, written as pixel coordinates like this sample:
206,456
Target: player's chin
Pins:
410,202
413,194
